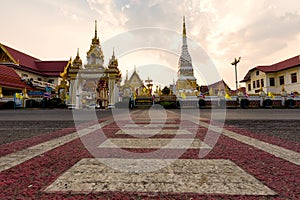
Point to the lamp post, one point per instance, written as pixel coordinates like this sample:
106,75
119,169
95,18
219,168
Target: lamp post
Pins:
235,62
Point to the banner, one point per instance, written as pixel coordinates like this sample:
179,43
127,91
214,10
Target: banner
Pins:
18,100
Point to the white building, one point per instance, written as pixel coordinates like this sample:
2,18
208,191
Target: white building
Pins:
272,78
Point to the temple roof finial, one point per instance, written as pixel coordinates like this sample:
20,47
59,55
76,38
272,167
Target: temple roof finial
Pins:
95,40
78,52
95,28
184,29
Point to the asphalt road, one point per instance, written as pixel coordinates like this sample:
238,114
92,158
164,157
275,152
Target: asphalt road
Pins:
20,124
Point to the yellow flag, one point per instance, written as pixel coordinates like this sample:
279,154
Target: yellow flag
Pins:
270,95
183,95
227,96
18,96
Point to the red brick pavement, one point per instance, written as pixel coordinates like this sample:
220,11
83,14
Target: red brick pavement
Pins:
29,179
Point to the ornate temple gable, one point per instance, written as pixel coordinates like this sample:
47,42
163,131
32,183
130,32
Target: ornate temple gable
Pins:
95,57
5,57
135,79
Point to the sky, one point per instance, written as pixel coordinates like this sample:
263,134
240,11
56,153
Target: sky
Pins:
147,34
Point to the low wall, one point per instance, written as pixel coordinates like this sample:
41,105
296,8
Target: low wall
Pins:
253,102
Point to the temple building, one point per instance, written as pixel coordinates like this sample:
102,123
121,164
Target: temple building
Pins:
186,82
133,85
94,84
274,78
20,71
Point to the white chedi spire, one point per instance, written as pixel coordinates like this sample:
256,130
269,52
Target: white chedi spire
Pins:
185,66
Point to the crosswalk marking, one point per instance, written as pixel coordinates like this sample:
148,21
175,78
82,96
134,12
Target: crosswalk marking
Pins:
183,175
149,143
152,125
153,131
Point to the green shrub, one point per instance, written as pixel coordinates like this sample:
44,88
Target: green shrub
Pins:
62,105
245,103
166,104
202,103
267,103
9,105
166,90
290,103
31,103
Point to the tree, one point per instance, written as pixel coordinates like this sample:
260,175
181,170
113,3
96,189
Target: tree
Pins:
166,90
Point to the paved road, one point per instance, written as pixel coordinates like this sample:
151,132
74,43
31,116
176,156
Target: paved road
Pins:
231,114
152,154
20,124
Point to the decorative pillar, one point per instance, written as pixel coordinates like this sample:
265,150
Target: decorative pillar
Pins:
111,88
75,82
262,96
114,76
283,96
1,95
25,97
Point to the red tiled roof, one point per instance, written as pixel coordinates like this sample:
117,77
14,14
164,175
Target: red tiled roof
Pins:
51,68
9,78
22,58
286,64
35,65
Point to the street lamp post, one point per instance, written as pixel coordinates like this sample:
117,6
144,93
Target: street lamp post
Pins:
235,62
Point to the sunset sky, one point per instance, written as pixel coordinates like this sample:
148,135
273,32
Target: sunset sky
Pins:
262,32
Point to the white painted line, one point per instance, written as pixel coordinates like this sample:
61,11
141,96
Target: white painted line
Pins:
152,126
153,132
21,156
280,152
183,175
154,143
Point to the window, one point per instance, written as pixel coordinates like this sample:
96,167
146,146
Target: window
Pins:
294,78
257,73
262,83
257,83
272,81
281,80
253,83
39,79
51,81
249,87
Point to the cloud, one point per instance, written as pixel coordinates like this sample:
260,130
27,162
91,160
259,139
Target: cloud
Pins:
261,31
225,29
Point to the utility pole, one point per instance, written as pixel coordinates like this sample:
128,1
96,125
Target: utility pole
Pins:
235,62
